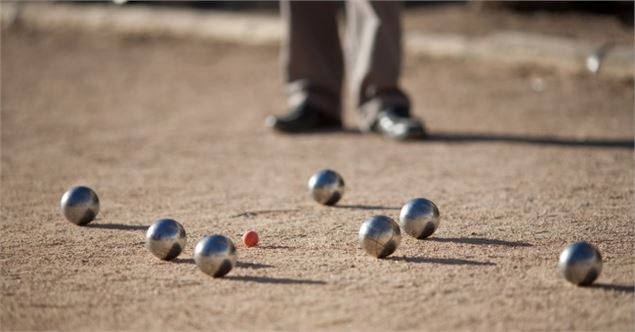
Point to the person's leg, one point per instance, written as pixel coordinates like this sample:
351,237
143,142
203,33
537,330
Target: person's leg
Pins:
313,64
374,60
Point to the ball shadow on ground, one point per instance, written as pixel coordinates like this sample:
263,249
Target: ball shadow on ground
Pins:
273,247
630,289
272,280
480,241
257,279
241,265
441,261
365,207
120,227
183,261
251,214
253,266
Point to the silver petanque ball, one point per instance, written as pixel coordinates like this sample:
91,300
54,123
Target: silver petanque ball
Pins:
80,205
379,236
326,187
215,255
419,218
166,239
580,263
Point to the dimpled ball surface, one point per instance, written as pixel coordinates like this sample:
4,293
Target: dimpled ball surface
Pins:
326,187
580,263
80,205
215,255
379,236
419,218
166,239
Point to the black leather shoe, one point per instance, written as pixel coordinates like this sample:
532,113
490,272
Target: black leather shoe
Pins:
304,118
398,125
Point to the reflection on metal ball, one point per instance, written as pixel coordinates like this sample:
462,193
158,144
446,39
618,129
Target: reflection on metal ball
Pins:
419,218
80,205
379,236
166,239
580,263
215,255
326,187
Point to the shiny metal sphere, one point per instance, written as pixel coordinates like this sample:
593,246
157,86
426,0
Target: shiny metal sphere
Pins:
215,255
326,187
580,263
379,236
80,205
419,218
166,239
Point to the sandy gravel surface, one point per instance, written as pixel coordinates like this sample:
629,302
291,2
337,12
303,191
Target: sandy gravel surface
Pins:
168,128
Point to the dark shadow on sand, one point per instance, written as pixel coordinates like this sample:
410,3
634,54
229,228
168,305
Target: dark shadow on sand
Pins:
481,241
275,247
615,288
271,280
183,261
529,139
442,261
343,130
250,214
450,137
365,207
120,227
255,266
243,265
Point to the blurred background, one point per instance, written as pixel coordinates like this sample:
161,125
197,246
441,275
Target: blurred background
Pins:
601,24
544,47
466,63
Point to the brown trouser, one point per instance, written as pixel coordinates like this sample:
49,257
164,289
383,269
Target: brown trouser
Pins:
313,59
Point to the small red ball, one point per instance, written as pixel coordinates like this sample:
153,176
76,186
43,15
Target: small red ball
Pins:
250,238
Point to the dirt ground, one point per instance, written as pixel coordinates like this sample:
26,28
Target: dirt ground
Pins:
466,20
521,162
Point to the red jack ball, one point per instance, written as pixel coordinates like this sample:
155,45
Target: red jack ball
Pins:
250,238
